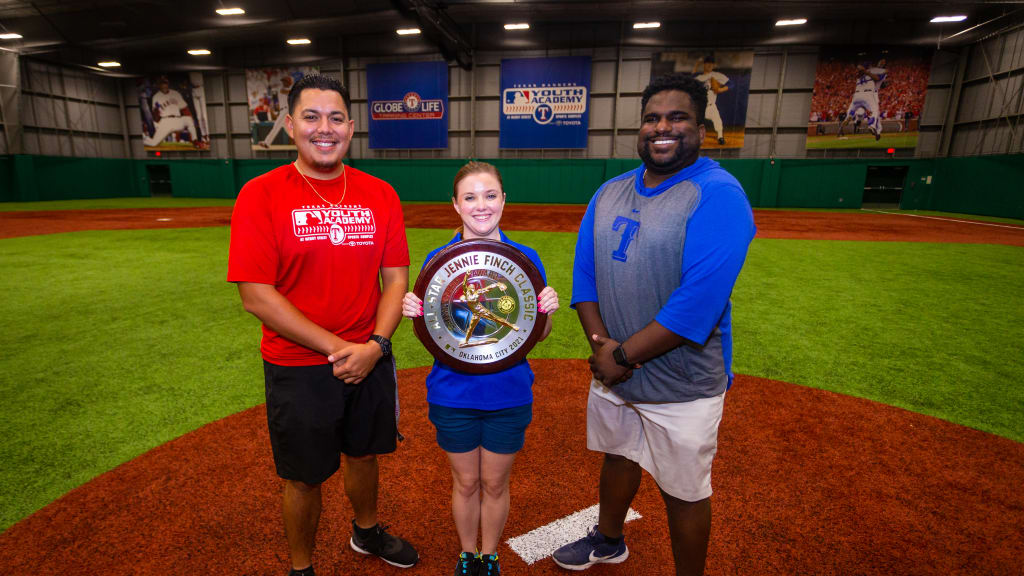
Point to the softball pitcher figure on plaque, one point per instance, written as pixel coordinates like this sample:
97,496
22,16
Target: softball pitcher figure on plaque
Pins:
479,305
473,298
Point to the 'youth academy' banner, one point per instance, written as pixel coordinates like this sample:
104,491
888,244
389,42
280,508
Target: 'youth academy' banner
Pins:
545,102
408,104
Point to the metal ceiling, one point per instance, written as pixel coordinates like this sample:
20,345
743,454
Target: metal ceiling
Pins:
146,35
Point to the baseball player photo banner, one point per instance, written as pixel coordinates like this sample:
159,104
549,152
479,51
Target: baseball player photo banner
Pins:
408,103
173,109
726,76
544,102
267,90
868,98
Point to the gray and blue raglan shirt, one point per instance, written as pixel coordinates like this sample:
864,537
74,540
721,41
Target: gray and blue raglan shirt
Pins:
670,254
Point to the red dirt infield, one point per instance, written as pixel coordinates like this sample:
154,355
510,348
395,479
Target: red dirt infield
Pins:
806,482
548,218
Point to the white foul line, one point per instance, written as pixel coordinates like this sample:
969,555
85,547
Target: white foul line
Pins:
540,543
945,219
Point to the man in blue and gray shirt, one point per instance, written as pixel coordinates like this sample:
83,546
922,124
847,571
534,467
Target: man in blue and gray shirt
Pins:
659,250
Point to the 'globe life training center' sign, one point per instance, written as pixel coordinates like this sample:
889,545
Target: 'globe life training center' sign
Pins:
408,104
545,102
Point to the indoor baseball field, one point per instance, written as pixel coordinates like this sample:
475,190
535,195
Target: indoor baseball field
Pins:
875,426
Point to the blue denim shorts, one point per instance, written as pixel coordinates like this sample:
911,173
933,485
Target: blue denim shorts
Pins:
464,429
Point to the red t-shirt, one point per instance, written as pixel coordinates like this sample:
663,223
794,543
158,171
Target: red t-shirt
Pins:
325,260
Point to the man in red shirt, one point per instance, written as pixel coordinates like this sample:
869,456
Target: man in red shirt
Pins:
319,253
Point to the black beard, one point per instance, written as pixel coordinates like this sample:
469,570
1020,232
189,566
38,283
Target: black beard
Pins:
324,166
674,164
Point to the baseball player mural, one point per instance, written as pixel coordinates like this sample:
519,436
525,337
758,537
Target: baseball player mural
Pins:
173,110
268,90
715,84
726,77
870,98
864,105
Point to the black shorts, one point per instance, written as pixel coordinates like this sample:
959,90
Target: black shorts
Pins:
314,418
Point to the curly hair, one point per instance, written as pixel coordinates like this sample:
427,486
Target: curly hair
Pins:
683,83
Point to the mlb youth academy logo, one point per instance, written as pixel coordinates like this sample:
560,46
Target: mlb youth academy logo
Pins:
351,225
544,102
410,107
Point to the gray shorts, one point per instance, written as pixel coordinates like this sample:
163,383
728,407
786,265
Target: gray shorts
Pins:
674,441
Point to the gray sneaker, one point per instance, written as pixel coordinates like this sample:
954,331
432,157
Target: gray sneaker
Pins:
388,548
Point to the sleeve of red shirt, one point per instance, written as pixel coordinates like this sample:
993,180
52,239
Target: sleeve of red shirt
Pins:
396,247
252,256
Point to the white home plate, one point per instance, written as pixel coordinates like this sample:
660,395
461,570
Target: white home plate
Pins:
164,219
540,543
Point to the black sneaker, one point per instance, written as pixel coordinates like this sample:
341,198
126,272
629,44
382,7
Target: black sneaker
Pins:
468,565
304,572
388,548
721,141
489,565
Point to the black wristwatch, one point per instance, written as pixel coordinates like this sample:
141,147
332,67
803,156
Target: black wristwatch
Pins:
385,344
620,357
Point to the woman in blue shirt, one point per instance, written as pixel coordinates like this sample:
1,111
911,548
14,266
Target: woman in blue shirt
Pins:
481,419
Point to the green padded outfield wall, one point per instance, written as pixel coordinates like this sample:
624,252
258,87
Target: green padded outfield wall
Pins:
988,185
818,184
36,178
6,176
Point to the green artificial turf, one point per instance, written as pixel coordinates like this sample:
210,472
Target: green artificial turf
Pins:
933,328
115,203
116,342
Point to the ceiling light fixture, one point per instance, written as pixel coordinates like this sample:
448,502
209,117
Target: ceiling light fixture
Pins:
230,11
10,36
644,25
519,26
298,41
407,31
110,64
199,52
957,18
793,22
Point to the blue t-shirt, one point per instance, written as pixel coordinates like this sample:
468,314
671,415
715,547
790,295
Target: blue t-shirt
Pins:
512,386
718,234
